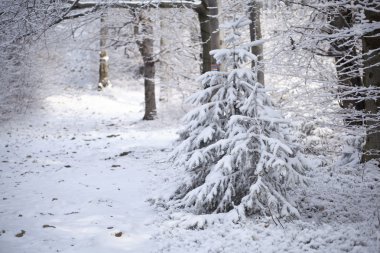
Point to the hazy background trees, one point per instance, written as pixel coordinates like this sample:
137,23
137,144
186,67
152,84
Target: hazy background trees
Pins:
315,53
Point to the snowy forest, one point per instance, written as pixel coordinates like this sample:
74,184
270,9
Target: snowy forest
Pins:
215,126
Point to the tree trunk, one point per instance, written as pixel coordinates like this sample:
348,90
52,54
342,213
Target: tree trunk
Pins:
164,61
347,65
216,42
146,49
211,36
204,21
255,34
371,46
150,96
103,61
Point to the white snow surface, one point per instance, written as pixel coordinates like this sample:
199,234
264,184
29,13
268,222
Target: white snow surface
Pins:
62,166
66,184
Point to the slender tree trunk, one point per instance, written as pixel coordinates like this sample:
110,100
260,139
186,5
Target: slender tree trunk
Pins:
103,61
211,36
146,49
164,60
204,21
346,62
216,41
371,46
255,34
150,96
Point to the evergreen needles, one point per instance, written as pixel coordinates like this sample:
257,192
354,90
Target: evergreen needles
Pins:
235,147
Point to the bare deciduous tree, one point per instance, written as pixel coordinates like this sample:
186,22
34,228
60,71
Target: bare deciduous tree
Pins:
371,50
144,31
103,64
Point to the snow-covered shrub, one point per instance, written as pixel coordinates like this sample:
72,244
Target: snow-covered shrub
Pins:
235,147
351,150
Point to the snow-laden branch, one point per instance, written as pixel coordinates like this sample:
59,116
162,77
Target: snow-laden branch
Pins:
138,4
235,146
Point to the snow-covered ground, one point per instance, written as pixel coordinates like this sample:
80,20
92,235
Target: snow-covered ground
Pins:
81,172
78,172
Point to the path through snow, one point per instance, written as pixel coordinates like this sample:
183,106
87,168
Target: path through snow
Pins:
77,172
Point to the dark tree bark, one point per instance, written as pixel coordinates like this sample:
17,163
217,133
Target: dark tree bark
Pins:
371,47
149,85
255,34
204,21
208,13
347,65
145,44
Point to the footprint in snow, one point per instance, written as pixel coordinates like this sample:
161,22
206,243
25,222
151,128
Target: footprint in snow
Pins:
21,234
118,234
48,226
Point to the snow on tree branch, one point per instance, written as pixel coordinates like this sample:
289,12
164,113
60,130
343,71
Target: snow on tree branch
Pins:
236,147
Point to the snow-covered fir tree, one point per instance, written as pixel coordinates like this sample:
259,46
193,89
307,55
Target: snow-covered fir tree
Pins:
235,146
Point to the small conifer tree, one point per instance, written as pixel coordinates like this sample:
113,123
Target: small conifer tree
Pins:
235,147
